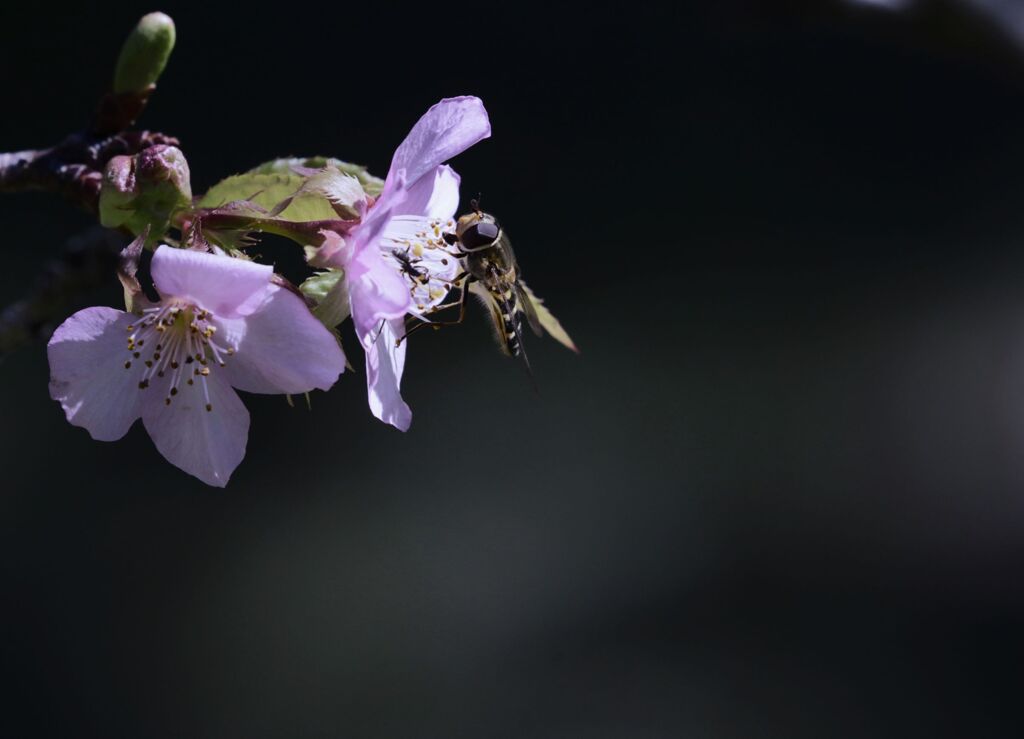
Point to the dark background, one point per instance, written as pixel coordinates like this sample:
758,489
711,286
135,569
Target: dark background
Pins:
780,493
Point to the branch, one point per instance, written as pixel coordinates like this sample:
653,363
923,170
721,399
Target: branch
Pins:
83,265
73,168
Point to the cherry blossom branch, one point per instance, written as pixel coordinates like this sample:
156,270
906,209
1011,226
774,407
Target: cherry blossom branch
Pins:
73,168
84,264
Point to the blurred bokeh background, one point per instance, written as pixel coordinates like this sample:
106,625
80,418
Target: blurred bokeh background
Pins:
779,494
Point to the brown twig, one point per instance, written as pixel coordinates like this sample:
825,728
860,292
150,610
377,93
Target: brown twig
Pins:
85,263
73,168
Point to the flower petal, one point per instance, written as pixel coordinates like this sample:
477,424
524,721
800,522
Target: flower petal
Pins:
281,348
345,253
87,374
378,294
206,444
384,365
432,196
226,286
448,128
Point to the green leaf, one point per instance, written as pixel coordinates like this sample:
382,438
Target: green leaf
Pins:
326,290
342,190
267,191
549,322
372,185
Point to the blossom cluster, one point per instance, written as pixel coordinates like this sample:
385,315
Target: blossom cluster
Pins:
223,322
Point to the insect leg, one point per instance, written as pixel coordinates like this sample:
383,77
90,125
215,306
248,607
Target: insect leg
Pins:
463,292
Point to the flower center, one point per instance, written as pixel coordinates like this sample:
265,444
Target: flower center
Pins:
177,337
421,254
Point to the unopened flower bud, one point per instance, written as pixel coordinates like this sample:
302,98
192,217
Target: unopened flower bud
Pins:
144,54
145,190
163,163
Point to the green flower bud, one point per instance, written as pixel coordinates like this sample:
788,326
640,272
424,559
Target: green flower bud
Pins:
145,190
144,54
162,163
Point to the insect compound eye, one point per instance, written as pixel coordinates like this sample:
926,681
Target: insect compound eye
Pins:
479,235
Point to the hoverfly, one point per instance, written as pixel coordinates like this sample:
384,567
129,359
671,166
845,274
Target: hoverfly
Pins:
489,270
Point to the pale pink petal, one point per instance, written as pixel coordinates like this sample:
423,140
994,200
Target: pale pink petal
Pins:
435,195
448,128
363,239
376,218
384,365
376,289
224,285
281,348
205,444
379,293
87,374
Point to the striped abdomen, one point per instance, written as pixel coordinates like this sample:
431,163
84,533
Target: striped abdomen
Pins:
507,314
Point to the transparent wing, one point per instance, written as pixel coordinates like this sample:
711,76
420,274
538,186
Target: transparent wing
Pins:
546,320
526,304
497,322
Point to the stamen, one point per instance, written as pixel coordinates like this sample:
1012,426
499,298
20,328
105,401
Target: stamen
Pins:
186,337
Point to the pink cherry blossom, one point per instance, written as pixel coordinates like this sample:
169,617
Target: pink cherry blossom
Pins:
220,324
417,204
